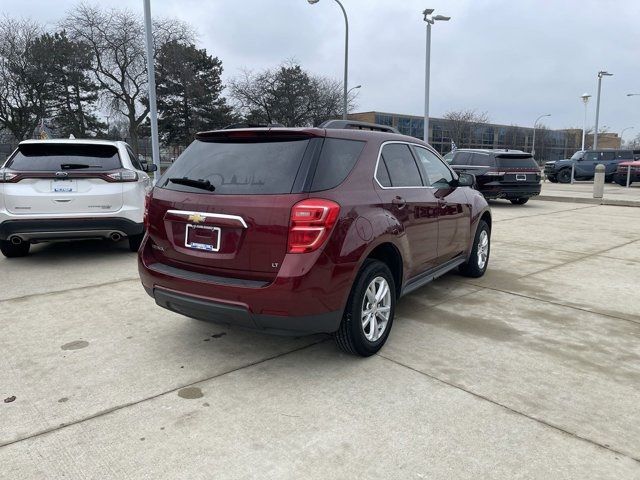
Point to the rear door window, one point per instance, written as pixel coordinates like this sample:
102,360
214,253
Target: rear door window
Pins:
624,155
608,155
335,163
401,166
55,157
239,168
481,160
461,158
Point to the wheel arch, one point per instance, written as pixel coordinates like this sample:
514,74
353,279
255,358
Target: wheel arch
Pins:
389,254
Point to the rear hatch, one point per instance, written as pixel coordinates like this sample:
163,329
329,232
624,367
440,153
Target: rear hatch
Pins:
59,179
235,218
517,168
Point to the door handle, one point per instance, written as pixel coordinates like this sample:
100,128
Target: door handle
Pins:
399,201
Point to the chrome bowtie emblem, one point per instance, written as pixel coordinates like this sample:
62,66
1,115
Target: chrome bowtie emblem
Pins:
196,218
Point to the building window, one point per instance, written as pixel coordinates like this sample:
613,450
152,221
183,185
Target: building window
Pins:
383,119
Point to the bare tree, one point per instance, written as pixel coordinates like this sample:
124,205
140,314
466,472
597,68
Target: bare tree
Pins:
288,95
116,39
23,85
463,123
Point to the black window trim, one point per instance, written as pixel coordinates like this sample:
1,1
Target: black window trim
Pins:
411,146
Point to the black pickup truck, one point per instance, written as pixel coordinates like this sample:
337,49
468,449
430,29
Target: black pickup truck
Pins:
585,162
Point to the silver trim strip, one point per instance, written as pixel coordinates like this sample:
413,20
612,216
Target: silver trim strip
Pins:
210,215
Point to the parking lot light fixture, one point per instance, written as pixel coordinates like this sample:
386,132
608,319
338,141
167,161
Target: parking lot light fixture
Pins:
601,74
633,94
622,133
430,20
533,143
585,99
345,101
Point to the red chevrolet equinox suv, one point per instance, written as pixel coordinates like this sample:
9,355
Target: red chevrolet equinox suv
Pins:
311,230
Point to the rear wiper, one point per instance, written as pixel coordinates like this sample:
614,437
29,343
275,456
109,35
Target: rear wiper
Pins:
73,166
189,182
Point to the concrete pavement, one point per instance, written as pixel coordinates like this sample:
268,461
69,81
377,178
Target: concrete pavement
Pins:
532,371
582,192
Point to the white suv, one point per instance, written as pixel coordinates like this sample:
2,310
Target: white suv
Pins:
71,189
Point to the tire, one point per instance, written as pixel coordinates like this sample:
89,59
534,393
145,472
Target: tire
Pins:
135,241
474,268
564,175
552,179
365,340
608,179
10,250
621,182
520,200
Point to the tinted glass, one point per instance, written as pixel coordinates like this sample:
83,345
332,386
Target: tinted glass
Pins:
577,155
239,168
51,157
336,162
481,160
624,154
608,156
402,167
461,158
382,174
516,161
438,173
591,156
449,156
134,159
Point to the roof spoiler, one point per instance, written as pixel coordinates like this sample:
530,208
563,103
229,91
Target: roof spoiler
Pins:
256,134
356,125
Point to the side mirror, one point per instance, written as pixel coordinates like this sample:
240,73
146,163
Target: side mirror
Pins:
149,167
466,180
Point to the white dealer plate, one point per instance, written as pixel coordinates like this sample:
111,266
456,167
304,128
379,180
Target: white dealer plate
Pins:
64,186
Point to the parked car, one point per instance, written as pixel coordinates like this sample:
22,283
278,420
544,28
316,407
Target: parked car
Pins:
298,231
510,174
622,172
53,190
585,162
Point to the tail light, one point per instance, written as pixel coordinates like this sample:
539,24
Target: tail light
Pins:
145,218
496,174
123,175
6,177
311,223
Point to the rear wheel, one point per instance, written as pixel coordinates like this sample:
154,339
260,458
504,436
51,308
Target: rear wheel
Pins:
479,258
520,201
11,250
552,179
564,175
369,313
135,241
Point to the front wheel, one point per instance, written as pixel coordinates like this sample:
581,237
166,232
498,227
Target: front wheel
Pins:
478,261
11,250
520,201
369,313
564,175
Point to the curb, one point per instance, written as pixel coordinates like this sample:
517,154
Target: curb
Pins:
593,201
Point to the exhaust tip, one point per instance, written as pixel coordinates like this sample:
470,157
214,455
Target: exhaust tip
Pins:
115,236
15,240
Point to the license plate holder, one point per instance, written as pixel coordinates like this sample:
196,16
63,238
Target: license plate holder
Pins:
521,177
64,186
202,237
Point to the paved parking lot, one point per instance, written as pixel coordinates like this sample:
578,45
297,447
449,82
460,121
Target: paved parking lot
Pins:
530,372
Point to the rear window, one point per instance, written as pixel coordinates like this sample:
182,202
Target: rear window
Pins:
56,157
336,162
239,168
516,161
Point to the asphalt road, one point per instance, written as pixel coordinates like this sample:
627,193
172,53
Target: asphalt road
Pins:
530,372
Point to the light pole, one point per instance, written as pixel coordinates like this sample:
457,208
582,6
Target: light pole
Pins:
155,147
354,88
430,19
585,99
345,101
600,75
533,143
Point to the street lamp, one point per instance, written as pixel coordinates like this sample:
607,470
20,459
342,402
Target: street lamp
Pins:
600,75
430,19
354,88
633,94
345,106
585,99
622,134
533,143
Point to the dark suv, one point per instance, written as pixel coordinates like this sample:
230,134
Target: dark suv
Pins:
297,231
509,174
584,164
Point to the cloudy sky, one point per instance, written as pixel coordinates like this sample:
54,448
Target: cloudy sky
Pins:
513,59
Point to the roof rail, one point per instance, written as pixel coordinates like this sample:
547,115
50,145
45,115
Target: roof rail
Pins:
356,125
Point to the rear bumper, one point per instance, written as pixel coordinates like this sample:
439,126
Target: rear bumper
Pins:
308,294
510,191
66,229
229,314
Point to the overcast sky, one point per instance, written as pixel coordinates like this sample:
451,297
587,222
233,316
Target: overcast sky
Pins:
513,59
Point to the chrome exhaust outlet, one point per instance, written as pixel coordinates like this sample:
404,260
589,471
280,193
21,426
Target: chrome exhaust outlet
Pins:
15,240
115,236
